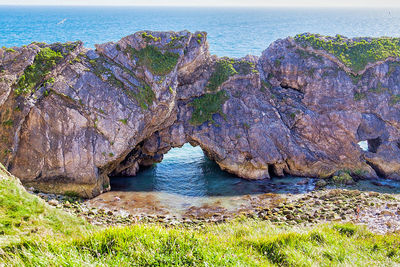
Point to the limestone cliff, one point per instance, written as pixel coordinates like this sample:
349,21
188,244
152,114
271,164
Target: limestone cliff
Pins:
72,117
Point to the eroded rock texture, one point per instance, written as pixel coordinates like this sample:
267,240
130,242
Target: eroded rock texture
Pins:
72,117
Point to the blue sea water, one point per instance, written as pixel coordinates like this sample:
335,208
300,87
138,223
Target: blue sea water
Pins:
233,32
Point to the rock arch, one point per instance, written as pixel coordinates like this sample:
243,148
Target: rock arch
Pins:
69,123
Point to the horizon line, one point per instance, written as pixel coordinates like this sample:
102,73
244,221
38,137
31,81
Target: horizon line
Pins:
206,6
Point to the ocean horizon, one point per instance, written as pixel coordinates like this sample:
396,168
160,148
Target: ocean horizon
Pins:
232,31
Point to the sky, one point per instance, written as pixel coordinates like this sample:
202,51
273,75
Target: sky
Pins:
250,3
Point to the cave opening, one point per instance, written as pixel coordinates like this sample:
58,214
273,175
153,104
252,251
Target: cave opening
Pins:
370,145
184,171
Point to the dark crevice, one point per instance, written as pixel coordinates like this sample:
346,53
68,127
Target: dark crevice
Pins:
271,170
376,169
373,144
286,86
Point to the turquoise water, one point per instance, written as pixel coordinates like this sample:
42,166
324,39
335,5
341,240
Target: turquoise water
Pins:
186,175
188,172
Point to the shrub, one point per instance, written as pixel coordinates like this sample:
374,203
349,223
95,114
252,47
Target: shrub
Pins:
206,106
155,60
223,70
359,96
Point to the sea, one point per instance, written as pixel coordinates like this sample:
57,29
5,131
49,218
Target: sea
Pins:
186,175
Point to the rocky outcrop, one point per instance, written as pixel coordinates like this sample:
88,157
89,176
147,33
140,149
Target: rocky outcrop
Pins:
72,117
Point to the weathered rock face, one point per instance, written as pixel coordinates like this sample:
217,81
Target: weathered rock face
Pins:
71,117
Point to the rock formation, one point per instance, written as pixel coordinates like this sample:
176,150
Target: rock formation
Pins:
72,117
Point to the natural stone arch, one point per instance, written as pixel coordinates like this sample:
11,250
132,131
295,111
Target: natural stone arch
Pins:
295,110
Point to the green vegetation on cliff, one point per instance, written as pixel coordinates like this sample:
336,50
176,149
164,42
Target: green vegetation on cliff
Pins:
34,74
155,60
354,53
100,69
206,106
144,95
223,70
244,67
148,37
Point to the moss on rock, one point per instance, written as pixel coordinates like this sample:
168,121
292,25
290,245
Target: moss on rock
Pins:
354,53
343,177
223,70
158,62
35,74
206,106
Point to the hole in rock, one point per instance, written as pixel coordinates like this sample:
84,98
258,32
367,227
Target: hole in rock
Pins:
373,144
187,172
363,145
370,145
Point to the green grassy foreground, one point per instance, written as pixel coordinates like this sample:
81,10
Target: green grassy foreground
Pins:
239,243
60,239
26,217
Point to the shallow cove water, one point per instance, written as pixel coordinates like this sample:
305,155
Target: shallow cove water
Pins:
187,183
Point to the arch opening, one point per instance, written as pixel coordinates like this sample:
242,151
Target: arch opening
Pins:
187,171
370,145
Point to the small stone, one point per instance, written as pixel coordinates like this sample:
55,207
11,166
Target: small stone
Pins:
53,202
321,183
387,213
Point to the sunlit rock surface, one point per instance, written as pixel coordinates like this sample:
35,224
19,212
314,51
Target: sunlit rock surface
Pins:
72,117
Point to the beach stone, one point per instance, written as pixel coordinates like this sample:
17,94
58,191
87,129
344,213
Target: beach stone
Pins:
321,183
53,202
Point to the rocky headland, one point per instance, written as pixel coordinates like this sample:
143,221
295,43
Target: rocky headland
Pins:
72,117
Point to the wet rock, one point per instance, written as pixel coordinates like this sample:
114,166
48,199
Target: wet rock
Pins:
343,178
321,183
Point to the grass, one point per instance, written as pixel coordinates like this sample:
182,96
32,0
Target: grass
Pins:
223,70
158,62
8,122
243,242
379,89
34,234
145,96
394,99
354,53
206,106
25,217
359,96
99,66
34,74
244,67
148,37
355,78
